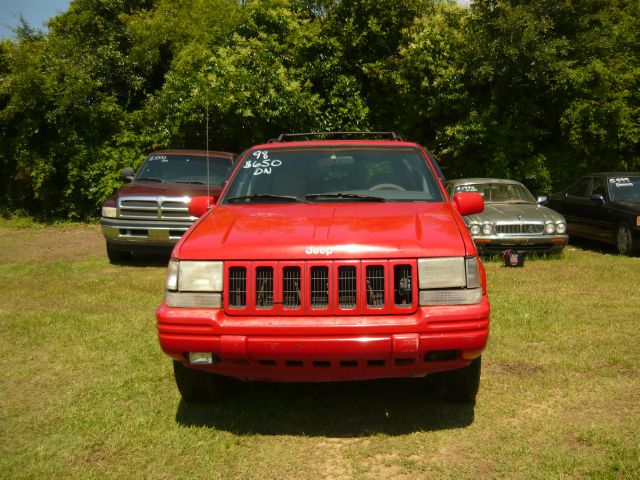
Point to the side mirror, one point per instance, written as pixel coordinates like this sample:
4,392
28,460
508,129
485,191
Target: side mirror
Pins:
597,198
468,203
127,174
198,206
542,199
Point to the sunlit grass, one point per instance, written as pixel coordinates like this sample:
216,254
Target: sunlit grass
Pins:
87,393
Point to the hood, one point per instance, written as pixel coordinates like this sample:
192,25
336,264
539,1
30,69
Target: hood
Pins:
515,212
323,231
154,189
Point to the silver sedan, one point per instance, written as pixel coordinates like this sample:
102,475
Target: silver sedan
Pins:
512,218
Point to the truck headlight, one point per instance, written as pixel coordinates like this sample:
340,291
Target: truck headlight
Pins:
109,212
449,281
194,284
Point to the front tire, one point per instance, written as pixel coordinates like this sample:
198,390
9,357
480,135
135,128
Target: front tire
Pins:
117,256
196,385
625,242
461,385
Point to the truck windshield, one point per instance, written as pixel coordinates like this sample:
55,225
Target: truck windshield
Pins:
334,174
184,169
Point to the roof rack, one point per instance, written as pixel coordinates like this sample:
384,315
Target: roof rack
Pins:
292,137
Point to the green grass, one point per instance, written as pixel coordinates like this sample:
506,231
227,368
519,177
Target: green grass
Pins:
87,393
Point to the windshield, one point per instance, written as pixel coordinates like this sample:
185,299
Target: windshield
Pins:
166,168
499,192
333,174
625,189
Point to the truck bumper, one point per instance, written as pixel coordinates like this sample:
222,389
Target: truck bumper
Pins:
303,349
140,235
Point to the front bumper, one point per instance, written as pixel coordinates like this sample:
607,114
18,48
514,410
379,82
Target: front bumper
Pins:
529,243
304,349
140,234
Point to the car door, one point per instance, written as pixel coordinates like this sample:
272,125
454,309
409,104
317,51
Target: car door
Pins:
597,218
576,199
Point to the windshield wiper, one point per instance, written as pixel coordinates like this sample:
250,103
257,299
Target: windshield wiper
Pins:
191,181
150,179
348,196
266,196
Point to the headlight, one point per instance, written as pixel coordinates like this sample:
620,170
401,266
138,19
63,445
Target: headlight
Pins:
474,229
109,212
487,229
194,284
449,281
549,228
561,228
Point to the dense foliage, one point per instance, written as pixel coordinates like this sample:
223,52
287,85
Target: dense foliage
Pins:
539,91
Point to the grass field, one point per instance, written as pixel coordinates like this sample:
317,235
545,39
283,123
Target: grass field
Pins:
85,391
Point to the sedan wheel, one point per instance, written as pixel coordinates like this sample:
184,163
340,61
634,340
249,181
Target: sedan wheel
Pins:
624,240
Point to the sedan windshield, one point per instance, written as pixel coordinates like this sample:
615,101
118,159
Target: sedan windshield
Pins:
165,168
499,192
625,189
333,174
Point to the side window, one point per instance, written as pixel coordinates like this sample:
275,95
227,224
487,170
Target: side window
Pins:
598,187
581,188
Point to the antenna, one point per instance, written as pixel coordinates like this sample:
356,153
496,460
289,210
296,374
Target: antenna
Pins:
207,136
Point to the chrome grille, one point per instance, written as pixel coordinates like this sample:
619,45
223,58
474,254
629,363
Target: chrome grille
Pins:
157,208
520,228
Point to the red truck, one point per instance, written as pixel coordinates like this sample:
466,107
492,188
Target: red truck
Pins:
149,213
328,260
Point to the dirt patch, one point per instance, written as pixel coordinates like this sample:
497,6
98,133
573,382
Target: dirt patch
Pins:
71,243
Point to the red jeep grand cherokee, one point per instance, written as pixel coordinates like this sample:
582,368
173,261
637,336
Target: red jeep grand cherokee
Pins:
328,260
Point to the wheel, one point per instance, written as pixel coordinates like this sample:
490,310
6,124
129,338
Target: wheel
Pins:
117,256
461,385
625,242
387,186
196,385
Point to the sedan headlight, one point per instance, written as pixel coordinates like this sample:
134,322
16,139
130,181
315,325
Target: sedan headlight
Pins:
109,212
194,284
449,281
487,229
561,228
549,228
474,229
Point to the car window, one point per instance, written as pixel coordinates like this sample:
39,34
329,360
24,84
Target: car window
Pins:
598,187
316,173
625,189
499,192
184,169
580,188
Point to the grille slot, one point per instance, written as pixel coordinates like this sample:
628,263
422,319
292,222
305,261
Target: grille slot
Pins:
291,287
402,285
347,292
519,228
237,287
264,287
375,286
319,294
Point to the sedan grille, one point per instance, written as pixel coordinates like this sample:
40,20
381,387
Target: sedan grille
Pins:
320,287
520,229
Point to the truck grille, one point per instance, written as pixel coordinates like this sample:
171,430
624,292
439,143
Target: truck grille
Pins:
520,228
155,208
320,288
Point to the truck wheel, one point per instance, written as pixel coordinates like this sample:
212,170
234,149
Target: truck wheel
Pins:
461,385
117,256
625,241
196,385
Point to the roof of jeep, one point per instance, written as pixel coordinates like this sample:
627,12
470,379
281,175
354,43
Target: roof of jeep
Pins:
335,143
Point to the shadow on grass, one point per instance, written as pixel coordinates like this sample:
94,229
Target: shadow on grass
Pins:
593,246
349,409
144,260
